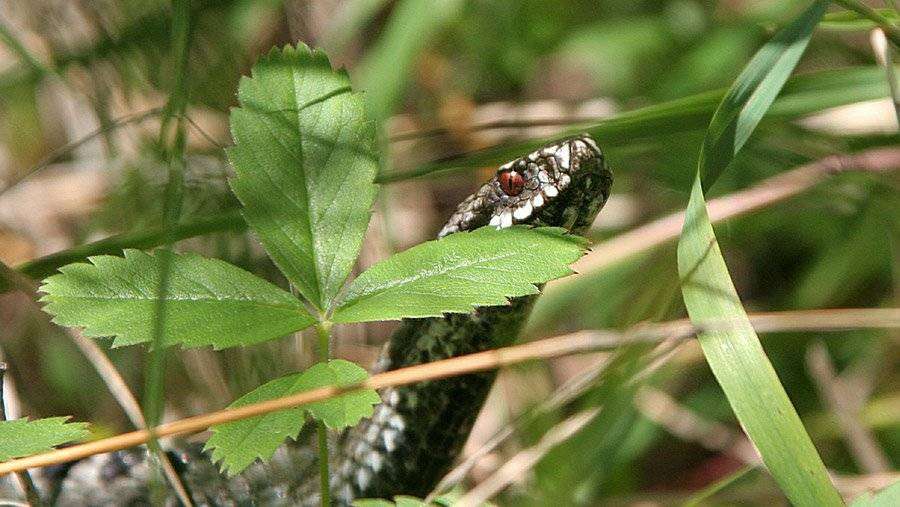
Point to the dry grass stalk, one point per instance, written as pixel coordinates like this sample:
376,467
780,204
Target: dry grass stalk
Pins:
490,359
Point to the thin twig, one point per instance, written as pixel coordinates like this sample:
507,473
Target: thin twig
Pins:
126,399
526,459
471,363
25,480
833,390
62,150
686,424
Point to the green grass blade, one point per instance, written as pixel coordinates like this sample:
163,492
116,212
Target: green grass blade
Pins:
144,239
753,92
735,355
387,67
802,95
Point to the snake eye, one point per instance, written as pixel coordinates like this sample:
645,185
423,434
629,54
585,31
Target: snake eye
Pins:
511,182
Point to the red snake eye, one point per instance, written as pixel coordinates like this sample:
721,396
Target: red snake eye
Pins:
511,182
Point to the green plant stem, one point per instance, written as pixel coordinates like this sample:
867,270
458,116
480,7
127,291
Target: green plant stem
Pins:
174,197
142,240
16,46
706,493
323,331
891,30
324,473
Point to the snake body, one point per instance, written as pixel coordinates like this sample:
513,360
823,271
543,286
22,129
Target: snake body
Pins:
416,434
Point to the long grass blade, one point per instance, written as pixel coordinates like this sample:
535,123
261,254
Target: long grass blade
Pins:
735,356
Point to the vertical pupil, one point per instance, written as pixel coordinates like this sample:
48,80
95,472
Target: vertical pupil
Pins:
511,182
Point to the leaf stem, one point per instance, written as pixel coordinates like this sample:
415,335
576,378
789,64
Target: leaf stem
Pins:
890,29
324,473
323,330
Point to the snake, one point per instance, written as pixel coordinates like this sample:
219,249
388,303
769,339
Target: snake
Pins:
417,433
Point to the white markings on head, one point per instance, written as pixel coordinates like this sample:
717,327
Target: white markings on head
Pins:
592,143
563,155
523,211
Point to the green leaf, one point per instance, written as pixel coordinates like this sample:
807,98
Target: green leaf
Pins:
457,273
887,497
238,444
345,410
753,92
209,302
21,437
385,70
735,354
305,162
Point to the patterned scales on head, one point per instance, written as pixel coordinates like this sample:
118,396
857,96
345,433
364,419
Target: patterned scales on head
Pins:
563,184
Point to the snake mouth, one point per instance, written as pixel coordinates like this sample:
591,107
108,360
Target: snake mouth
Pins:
536,189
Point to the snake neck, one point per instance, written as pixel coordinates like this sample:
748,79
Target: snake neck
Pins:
418,431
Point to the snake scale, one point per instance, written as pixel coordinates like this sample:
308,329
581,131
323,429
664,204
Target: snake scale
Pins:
417,433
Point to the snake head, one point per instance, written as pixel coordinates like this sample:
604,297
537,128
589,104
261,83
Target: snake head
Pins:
563,184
